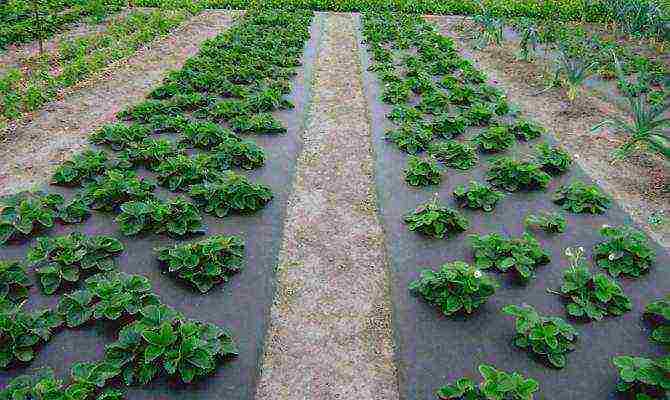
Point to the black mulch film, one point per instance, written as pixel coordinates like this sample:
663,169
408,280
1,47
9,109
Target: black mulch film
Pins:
432,349
242,304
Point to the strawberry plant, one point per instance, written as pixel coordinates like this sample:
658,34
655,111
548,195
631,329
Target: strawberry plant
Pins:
168,123
14,282
224,110
230,192
422,172
434,102
82,166
144,111
497,385
448,126
459,94
257,123
23,332
205,263
149,153
550,222
239,153
206,135
549,338
521,255
404,114
477,196
455,287
23,213
494,139
396,93
74,211
162,341
62,259
44,385
590,296
435,220
182,171
579,197
411,138
552,159
643,378
119,136
478,114
266,100
658,313
527,130
176,217
512,175
109,296
423,83
454,154
116,187
625,252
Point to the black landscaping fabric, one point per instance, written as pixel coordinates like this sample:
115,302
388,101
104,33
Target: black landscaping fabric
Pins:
242,305
432,349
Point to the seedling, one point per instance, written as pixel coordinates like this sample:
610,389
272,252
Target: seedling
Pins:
550,222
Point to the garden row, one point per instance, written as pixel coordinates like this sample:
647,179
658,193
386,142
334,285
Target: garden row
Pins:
41,77
431,92
593,11
23,21
187,135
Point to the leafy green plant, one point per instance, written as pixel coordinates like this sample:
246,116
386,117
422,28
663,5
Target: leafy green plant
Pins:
658,313
176,217
149,153
422,172
257,123
23,332
478,114
82,166
448,126
435,220
245,154
162,341
23,213
521,255
118,136
206,135
434,102
182,171
411,138
454,154
494,139
497,385
64,258
643,378
527,130
590,296
549,338
14,282
230,192
148,109
455,287
109,296
572,71
205,263
477,196
74,211
116,187
579,197
625,252
550,222
512,175
395,93
552,159
403,114
169,123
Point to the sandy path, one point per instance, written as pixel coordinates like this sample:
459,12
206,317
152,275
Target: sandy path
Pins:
638,184
330,335
32,150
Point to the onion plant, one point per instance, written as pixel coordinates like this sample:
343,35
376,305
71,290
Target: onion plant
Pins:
571,72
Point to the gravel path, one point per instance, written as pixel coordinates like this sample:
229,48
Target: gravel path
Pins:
639,184
331,335
31,150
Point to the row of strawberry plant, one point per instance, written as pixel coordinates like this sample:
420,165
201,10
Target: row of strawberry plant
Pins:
41,77
434,92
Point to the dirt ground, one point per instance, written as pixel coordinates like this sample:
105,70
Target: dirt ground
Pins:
331,335
640,184
32,149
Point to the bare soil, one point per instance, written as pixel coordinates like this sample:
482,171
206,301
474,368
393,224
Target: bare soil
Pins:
640,184
330,334
33,148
